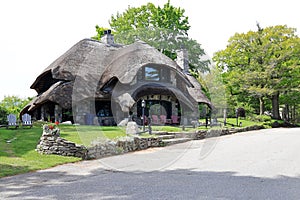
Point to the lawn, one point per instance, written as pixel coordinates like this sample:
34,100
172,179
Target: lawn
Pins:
244,122
18,155
86,134
17,146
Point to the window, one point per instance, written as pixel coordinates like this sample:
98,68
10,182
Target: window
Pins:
152,74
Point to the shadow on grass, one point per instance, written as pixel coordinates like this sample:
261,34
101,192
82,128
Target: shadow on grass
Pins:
170,184
9,170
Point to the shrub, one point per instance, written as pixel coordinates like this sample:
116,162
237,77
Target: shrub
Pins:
262,118
3,116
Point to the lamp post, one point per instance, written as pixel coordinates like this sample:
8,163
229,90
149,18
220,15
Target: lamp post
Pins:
143,113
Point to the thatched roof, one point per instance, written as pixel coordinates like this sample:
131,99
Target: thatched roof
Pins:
196,91
90,64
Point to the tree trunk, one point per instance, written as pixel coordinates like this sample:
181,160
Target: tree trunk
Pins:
261,105
275,106
225,116
293,113
287,110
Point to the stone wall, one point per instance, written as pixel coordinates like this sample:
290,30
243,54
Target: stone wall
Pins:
201,134
123,145
51,143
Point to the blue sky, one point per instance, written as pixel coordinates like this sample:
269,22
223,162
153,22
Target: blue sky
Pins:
34,33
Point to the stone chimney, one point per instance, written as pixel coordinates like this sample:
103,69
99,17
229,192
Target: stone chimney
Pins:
183,59
108,38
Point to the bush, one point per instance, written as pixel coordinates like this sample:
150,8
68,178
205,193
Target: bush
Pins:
262,118
3,116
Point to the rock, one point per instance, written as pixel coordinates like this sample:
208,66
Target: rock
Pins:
124,122
67,122
132,128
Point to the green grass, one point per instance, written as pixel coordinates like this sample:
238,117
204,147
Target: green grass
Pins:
166,128
175,128
86,134
18,155
17,146
245,122
230,122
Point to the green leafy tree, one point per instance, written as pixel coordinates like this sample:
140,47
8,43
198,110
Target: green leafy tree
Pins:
214,88
13,104
167,17
259,63
100,32
165,28
3,115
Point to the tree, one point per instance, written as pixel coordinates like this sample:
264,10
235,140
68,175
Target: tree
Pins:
14,104
214,88
283,51
3,115
168,17
100,32
165,28
259,63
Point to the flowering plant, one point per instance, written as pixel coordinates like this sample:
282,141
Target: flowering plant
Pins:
51,129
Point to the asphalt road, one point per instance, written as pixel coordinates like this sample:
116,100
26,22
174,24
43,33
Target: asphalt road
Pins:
253,165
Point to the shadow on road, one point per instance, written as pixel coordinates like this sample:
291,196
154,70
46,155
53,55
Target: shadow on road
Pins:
174,184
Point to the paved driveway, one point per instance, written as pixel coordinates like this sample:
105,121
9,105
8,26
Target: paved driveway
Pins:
253,165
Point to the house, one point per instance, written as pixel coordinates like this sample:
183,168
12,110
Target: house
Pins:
101,82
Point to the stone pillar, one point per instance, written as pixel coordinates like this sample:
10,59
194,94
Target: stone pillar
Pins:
82,109
58,113
174,109
42,113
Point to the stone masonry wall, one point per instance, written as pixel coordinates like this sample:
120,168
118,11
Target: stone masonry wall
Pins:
51,143
201,134
124,145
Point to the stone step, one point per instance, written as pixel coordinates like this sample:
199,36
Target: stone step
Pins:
182,134
165,137
175,141
160,133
